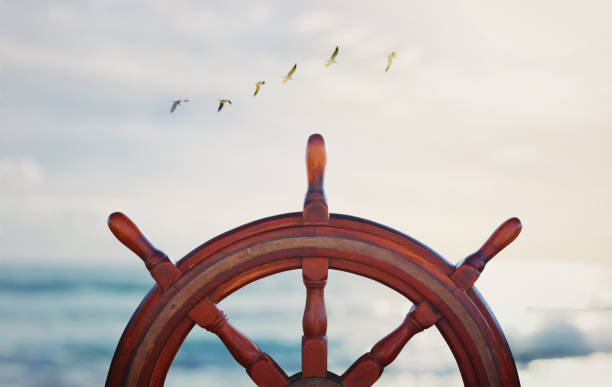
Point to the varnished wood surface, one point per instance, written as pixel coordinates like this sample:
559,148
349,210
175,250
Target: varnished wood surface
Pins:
393,263
314,320
315,205
316,160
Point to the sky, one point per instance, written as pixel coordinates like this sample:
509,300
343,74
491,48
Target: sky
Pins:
490,110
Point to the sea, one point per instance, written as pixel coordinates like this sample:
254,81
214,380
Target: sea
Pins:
60,324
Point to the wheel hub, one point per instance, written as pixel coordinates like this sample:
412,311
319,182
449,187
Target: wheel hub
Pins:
332,380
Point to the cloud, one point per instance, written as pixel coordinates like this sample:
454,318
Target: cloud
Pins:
556,339
559,338
20,172
314,21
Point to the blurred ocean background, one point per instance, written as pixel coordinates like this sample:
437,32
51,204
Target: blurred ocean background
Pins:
61,323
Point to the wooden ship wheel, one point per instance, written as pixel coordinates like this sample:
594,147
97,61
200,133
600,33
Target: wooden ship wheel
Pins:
187,294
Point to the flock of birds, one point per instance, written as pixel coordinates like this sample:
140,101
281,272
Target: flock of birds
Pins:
259,84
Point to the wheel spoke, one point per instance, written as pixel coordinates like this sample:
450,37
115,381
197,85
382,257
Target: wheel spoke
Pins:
259,365
314,322
368,368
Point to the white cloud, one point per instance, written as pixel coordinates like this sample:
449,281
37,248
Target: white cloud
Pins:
314,21
20,172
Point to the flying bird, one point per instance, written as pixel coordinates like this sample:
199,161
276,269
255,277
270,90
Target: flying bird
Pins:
176,103
222,102
290,73
258,86
389,60
332,58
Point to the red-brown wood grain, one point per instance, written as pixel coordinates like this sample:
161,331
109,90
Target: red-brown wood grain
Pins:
169,350
508,375
130,337
315,204
314,321
205,251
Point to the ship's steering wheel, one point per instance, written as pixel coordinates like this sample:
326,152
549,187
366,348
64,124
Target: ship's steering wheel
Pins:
314,241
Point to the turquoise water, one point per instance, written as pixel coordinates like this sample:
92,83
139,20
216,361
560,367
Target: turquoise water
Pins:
61,325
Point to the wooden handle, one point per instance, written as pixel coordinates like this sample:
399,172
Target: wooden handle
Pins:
159,265
315,167
128,233
315,205
468,270
501,237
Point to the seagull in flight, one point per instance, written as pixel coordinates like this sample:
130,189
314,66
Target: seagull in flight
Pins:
332,58
222,102
176,103
290,73
258,86
389,60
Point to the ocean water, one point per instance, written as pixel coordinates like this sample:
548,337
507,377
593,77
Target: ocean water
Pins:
60,325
